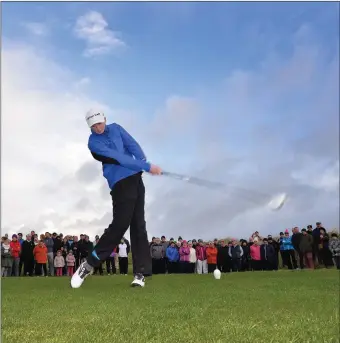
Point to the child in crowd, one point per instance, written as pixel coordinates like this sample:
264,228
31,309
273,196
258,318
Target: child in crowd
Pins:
59,263
6,257
70,261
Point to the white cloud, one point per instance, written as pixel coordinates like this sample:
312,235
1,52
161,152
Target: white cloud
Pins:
94,30
36,28
44,142
49,179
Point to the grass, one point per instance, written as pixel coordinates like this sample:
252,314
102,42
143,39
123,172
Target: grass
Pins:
251,307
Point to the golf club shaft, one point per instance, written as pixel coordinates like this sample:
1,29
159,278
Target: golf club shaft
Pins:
216,185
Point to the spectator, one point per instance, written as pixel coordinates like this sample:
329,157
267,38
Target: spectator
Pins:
59,263
173,258
49,243
268,256
255,255
324,252
27,256
192,258
40,256
157,254
70,261
15,252
184,257
245,262
74,248
20,240
316,239
276,247
296,238
282,235
58,244
123,257
222,256
211,253
235,252
6,257
288,251
110,263
334,247
216,243
201,255
306,249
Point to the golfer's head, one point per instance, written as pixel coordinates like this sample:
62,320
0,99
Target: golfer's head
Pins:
96,121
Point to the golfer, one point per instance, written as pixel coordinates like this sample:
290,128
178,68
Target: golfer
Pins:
123,163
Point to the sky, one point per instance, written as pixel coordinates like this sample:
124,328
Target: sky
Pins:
241,93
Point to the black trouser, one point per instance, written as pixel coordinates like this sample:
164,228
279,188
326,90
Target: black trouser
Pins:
123,265
289,258
211,267
268,265
192,267
237,264
98,269
183,267
28,267
256,265
110,265
337,261
172,267
158,266
39,267
301,259
21,263
128,199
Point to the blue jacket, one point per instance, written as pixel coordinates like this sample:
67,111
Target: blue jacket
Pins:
119,152
172,254
286,243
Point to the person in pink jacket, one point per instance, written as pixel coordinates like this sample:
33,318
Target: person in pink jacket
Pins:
70,262
184,257
255,254
59,263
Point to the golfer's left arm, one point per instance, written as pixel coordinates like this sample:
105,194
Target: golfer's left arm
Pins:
131,144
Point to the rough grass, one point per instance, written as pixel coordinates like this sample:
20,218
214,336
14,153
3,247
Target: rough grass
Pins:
251,307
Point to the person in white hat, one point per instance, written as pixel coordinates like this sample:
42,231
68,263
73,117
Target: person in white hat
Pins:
123,163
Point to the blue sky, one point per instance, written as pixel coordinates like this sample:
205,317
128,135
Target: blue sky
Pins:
180,48
236,91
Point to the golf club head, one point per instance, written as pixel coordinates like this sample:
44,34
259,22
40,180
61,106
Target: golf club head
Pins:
277,202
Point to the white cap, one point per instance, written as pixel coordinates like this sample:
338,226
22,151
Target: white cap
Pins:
94,117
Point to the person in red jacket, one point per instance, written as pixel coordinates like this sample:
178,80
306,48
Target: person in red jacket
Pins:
40,256
15,251
211,257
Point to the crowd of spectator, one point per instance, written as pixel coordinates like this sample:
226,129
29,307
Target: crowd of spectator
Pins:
56,255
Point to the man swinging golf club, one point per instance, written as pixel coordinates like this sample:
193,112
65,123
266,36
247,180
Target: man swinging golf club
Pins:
123,163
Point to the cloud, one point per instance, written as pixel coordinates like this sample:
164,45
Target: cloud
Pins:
36,28
94,30
266,130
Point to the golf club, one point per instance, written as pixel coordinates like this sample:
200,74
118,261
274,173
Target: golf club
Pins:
275,202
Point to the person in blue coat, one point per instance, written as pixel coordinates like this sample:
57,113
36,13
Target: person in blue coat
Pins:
123,162
172,255
288,251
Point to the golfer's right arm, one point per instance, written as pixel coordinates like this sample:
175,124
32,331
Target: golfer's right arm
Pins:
102,153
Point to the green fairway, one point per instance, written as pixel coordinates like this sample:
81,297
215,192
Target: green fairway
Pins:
284,306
